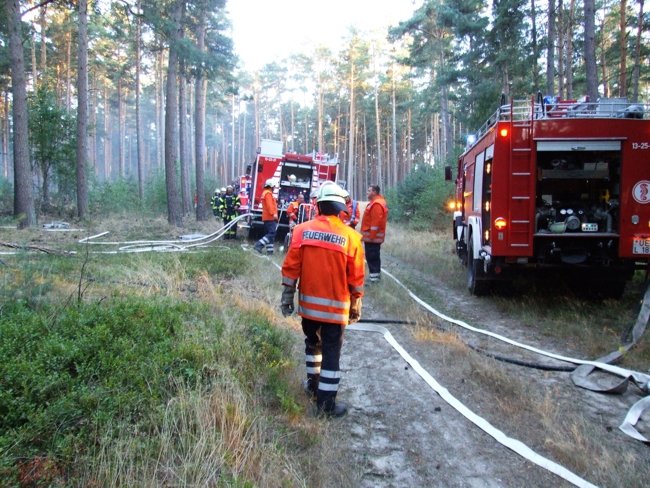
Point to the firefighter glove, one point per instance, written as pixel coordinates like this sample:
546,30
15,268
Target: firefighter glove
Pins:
355,310
286,303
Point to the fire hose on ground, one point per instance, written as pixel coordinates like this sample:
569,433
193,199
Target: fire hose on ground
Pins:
640,379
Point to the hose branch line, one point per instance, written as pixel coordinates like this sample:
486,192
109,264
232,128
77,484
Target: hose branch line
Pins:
513,444
164,246
505,359
641,379
579,376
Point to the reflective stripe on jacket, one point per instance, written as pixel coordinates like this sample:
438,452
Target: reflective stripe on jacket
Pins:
269,205
326,261
373,225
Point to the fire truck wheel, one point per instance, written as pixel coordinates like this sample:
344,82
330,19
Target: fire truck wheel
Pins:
476,282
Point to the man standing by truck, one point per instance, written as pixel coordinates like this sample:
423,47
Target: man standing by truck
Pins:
373,231
325,262
269,218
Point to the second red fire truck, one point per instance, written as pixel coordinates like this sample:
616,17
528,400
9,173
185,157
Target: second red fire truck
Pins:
556,185
293,173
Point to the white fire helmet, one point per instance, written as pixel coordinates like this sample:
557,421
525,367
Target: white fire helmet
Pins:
292,178
223,190
271,182
331,192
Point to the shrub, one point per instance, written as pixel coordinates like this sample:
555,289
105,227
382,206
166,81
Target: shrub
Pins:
68,373
421,198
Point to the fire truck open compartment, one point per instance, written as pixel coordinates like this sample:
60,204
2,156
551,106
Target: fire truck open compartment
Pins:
577,187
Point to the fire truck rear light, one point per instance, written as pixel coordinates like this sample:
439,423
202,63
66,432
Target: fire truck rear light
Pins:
451,205
500,223
504,132
488,168
635,219
511,259
497,270
486,236
522,260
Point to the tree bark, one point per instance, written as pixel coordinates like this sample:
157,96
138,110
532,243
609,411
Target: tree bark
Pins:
138,115
590,51
199,125
24,210
569,51
550,50
560,49
394,131
622,92
174,212
637,53
350,157
82,112
186,199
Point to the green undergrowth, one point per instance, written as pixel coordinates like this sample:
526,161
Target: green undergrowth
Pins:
80,371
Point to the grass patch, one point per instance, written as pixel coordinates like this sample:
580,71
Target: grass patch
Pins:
144,369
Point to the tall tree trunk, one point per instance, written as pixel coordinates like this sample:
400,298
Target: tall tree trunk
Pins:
321,144
550,50
43,21
68,75
120,128
34,69
622,92
82,112
637,53
186,198
24,210
378,127
350,158
394,131
408,141
231,173
107,136
569,51
199,124
138,115
533,32
560,48
92,134
590,51
174,211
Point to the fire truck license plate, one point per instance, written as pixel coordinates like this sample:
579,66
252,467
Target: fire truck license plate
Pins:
641,245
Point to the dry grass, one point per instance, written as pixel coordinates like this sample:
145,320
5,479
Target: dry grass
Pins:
206,438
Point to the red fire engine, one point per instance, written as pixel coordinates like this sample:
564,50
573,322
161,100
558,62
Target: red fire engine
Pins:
557,185
294,174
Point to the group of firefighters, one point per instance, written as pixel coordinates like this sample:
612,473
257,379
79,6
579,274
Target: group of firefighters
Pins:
325,262
225,203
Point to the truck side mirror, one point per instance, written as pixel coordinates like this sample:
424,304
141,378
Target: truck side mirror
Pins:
447,173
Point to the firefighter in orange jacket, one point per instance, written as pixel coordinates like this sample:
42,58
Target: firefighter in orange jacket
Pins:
373,231
352,218
326,263
294,208
269,218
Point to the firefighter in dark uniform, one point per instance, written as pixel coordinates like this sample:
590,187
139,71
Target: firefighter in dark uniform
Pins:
325,262
229,208
214,201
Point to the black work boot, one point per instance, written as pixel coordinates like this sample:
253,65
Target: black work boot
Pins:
337,411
